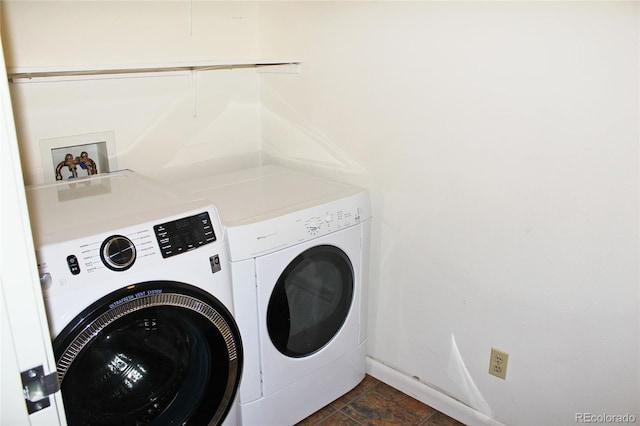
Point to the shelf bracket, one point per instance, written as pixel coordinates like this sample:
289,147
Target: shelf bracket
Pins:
190,17
194,92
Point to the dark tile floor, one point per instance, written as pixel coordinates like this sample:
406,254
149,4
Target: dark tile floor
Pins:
375,403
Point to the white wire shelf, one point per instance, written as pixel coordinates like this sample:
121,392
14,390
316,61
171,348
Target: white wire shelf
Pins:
27,74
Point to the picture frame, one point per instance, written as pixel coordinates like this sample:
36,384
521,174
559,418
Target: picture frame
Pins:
78,156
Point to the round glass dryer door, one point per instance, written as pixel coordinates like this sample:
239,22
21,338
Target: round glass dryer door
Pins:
157,353
310,301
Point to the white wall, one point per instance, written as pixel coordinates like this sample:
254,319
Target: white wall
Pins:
88,32
161,124
500,142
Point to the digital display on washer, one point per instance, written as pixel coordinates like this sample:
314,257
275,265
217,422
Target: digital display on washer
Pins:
184,234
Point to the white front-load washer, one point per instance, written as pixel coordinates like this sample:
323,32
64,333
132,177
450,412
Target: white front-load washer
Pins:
138,296
299,250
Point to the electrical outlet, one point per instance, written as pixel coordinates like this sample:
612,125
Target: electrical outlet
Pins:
498,363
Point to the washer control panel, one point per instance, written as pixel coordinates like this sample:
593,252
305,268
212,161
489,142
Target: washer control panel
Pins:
132,248
179,236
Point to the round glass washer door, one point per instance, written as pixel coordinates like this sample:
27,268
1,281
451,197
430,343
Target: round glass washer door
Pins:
310,301
157,353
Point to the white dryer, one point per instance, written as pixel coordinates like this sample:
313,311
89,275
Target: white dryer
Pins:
299,250
138,295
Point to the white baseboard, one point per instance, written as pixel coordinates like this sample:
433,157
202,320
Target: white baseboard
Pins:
428,395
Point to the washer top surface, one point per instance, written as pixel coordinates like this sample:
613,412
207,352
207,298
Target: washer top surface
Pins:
67,210
262,193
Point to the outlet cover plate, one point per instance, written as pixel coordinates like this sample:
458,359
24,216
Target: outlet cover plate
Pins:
498,363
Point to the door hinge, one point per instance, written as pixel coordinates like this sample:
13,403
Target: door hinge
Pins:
37,387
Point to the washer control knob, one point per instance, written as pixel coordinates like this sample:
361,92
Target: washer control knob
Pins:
313,225
118,253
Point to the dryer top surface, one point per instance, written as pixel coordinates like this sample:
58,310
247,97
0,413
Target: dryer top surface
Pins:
262,193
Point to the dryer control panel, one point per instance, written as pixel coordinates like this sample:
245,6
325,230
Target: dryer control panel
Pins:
267,236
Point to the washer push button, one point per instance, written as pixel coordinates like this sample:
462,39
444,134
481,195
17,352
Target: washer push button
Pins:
72,263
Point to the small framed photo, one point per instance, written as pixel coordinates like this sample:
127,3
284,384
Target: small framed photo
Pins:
78,156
